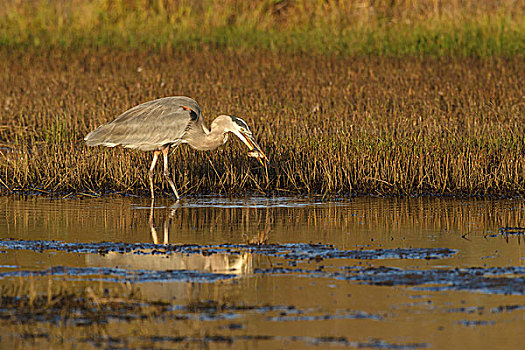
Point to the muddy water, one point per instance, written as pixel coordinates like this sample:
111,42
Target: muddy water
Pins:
266,272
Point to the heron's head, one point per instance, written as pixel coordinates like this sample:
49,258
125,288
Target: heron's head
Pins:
239,127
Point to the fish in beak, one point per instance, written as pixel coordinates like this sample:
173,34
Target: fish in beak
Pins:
255,149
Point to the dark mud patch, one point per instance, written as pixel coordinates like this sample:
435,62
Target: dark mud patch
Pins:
468,310
480,310
350,315
89,307
512,231
290,251
259,339
475,323
122,275
213,306
371,344
507,308
494,280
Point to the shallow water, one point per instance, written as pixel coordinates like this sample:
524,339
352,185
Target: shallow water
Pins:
269,272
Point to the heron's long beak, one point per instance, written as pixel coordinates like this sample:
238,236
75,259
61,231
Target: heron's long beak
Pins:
255,149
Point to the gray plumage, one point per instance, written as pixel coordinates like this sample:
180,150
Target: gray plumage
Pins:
150,126
157,125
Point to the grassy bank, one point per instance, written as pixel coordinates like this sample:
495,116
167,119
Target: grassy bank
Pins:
393,28
397,126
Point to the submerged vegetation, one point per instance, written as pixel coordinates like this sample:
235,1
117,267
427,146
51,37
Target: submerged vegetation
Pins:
428,27
39,313
377,97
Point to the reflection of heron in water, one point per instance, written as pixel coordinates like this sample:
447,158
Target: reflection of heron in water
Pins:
219,263
166,226
260,238
235,264
238,265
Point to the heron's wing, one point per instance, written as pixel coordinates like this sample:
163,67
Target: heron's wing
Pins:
149,126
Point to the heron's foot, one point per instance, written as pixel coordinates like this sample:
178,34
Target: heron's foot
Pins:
172,184
175,192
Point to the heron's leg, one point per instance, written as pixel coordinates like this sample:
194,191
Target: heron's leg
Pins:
150,172
167,173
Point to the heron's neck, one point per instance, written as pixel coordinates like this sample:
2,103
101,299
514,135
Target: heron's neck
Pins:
206,140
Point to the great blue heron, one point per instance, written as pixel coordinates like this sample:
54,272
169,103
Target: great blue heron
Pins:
170,121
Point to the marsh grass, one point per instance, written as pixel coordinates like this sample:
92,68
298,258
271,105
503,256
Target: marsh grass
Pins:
329,125
428,27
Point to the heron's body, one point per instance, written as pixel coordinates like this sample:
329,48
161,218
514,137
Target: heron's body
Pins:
159,124
152,125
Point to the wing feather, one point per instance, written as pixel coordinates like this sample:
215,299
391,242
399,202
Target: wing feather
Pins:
149,126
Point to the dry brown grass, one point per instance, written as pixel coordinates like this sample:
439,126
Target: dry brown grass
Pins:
330,125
